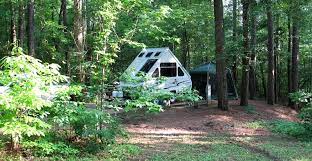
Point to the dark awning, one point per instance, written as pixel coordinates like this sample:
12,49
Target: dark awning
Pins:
203,69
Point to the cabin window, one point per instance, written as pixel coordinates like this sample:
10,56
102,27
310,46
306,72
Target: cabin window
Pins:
180,72
158,53
149,54
168,69
141,54
156,73
148,65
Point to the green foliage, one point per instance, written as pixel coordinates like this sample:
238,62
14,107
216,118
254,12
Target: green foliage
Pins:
123,151
256,124
87,123
188,95
289,128
22,105
218,150
306,116
301,97
145,93
250,109
304,99
45,148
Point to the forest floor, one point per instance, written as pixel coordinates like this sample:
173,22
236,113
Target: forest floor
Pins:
208,133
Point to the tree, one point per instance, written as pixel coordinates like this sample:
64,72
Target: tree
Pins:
21,24
246,56
31,27
234,30
220,56
63,21
276,59
63,13
295,48
270,81
21,106
185,46
79,36
13,24
289,58
252,73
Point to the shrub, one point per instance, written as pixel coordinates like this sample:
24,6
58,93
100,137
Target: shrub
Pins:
188,95
92,125
144,93
44,147
21,106
289,128
305,99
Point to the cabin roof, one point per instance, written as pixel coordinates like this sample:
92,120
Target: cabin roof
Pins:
204,68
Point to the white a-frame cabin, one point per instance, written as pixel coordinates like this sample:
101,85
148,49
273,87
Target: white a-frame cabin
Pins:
161,62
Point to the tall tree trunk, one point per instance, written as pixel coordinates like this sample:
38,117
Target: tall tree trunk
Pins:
234,25
220,56
63,13
63,21
79,36
21,25
263,80
245,58
252,73
270,81
276,61
31,27
184,46
295,50
13,25
289,60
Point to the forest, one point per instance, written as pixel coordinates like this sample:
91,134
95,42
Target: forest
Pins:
88,80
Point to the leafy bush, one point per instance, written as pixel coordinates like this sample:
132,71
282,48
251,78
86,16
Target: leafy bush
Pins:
94,126
306,116
188,95
46,148
145,93
21,105
301,97
293,129
305,99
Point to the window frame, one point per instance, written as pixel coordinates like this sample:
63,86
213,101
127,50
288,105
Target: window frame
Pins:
148,66
166,66
183,73
157,54
149,54
158,73
141,54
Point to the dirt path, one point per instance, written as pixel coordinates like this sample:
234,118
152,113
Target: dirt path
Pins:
160,133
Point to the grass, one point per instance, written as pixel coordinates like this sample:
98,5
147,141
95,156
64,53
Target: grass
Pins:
289,150
117,152
283,127
250,109
286,144
256,125
263,149
182,152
